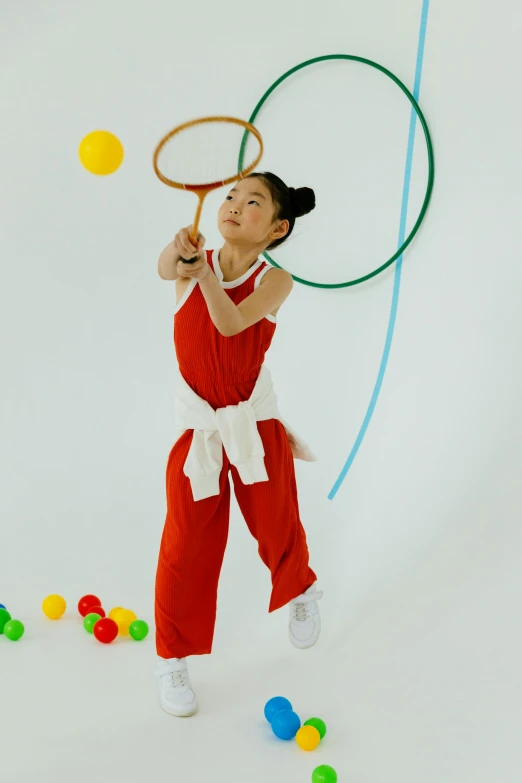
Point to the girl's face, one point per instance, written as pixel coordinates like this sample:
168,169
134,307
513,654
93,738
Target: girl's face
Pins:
246,217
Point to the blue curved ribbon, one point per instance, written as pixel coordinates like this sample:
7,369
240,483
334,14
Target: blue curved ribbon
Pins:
398,264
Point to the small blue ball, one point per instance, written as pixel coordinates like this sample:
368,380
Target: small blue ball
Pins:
2,606
286,724
274,706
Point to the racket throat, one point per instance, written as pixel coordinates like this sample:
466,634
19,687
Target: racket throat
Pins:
195,226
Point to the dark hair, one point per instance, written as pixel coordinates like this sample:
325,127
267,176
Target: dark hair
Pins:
291,203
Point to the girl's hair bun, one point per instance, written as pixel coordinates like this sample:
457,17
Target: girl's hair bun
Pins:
303,200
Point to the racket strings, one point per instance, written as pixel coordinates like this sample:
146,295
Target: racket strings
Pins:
206,153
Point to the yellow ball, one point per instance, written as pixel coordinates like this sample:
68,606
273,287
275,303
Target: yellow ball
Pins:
114,612
101,152
123,619
308,738
54,607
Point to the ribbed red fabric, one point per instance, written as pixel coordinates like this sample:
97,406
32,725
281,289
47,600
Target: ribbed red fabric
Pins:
223,371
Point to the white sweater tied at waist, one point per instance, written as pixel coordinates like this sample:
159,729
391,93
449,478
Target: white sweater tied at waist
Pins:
233,428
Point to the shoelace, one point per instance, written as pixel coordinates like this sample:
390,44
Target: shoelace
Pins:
301,609
177,678
301,612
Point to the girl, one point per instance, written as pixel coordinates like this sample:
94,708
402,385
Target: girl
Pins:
228,422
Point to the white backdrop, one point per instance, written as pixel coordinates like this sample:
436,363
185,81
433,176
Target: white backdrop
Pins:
418,554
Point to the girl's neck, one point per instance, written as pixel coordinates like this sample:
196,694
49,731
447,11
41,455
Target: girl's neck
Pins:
235,261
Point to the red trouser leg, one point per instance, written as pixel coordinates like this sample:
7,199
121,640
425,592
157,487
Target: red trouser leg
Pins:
271,511
190,559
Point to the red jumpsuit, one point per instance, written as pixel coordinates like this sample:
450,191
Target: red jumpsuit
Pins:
223,371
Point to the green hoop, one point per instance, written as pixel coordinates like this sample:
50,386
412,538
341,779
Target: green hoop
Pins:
429,145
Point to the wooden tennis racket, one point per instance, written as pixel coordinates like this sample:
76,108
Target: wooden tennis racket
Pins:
199,155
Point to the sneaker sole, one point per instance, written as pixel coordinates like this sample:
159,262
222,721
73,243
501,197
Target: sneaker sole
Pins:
185,712
302,645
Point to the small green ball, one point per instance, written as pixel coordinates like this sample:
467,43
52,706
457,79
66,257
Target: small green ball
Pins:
90,620
4,618
324,774
14,630
138,630
319,724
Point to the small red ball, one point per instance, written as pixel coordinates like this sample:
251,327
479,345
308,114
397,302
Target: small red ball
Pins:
96,610
85,603
105,630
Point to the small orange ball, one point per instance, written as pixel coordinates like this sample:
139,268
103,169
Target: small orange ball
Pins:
308,738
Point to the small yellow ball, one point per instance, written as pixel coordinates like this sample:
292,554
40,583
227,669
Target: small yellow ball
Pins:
308,738
101,152
54,607
124,619
114,612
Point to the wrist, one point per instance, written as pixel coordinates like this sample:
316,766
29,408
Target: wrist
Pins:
206,273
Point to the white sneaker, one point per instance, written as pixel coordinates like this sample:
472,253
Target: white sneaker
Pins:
176,694
305,621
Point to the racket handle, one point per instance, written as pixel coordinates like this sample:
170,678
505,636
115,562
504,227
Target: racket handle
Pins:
193,239
194,233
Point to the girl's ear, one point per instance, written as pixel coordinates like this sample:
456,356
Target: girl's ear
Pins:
281,230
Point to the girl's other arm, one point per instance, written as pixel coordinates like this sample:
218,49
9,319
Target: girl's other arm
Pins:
180,247
168,262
